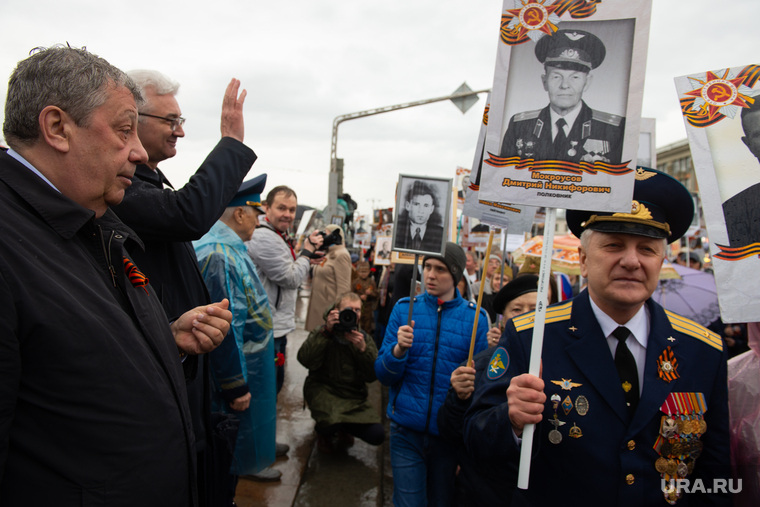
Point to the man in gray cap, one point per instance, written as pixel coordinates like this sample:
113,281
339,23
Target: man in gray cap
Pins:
566,129
416,360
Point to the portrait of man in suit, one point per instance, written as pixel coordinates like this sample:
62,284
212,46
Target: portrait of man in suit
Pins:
420,225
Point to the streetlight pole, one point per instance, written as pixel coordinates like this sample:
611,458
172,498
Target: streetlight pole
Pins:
335,186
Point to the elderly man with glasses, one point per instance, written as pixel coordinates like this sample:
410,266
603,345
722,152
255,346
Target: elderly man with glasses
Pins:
167,220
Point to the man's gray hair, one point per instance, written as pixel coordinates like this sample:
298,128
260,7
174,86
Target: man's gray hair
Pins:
160,83
72,79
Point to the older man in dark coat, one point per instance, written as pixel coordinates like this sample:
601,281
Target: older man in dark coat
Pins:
168,219
93,408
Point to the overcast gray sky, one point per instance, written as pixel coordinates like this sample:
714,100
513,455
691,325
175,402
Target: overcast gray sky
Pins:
306,62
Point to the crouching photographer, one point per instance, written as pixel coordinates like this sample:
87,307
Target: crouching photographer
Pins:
340,358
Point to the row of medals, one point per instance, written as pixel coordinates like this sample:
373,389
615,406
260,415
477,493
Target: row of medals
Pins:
530,148
581,407
679,451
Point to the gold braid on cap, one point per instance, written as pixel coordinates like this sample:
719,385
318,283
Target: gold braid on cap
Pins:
252,203
639,214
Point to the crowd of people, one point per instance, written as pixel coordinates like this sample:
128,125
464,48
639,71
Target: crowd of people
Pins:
145,330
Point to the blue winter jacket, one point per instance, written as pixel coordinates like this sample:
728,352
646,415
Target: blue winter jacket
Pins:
421,378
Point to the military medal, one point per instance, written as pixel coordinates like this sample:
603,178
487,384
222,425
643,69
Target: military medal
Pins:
567,405
556,398
667,365
581,405
668,427
671,467
670,493
529,149
679,444
566,384
684,426
572,151
575,432
699,426
555,436
596,147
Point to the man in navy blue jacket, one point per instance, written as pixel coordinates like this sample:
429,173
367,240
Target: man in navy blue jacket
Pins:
416,361
632,405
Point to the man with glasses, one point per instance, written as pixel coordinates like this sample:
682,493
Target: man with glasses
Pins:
167,220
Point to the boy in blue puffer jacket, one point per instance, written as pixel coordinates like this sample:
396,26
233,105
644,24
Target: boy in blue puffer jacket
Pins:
416,362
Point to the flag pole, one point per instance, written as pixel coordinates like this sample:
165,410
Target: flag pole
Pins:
480,301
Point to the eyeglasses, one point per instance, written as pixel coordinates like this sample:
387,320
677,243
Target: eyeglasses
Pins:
176,122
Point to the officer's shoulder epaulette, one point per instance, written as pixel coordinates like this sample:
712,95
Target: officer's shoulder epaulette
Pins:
698,331
608,118
527,115
555,313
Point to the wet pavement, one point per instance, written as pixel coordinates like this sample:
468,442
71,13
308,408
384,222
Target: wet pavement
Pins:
358,476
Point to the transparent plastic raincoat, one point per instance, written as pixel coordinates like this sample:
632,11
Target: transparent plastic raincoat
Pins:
244,362
744,407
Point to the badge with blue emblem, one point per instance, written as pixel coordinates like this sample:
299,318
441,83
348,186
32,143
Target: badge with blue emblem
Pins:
498,364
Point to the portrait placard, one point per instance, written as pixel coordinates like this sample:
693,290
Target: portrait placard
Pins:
423,209
721,110
383,250
517,219
563,127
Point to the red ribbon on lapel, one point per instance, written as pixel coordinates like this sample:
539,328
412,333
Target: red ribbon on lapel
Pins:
136,277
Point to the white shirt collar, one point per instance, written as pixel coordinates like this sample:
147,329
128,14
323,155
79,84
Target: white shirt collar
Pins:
638,325
29,166
413,229
569,118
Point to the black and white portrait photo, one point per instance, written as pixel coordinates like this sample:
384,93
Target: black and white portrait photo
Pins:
422,208
383,250
566,105
576,82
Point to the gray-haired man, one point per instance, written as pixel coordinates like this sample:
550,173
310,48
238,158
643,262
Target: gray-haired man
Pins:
167,220
93,408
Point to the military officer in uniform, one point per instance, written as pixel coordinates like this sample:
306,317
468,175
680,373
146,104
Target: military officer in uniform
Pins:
631,407
566,129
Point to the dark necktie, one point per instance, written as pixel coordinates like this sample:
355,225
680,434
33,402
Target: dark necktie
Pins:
416,240
626,367
560,140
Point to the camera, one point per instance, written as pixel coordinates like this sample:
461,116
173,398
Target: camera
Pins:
346,321
329,240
